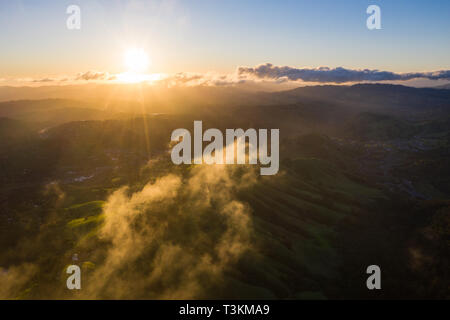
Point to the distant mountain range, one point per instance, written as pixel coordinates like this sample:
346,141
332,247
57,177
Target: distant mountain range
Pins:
306,108
126,98
366,164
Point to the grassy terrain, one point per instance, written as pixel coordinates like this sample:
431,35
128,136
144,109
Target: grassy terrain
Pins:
376,192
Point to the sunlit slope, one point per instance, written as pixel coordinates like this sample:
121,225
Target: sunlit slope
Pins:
294,219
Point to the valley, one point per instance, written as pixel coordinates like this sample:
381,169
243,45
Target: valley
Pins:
357,185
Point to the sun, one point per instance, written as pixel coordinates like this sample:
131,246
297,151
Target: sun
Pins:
136,61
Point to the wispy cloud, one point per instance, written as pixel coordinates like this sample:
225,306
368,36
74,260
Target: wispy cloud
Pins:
186,236
266,76
45,80
94,75
333,75
14,278
200,79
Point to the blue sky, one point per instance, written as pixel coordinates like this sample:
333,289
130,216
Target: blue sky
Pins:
210,35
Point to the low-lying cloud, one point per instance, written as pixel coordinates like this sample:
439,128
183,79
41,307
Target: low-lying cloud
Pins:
94,75
14,278
264,76
198,79
174,238
334,75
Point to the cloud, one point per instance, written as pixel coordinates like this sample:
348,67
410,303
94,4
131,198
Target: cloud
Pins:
174,238
198,79
94,75
39,80
262,77
44,80
15,279
333,75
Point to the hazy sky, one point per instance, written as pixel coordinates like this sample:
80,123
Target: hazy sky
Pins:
210,35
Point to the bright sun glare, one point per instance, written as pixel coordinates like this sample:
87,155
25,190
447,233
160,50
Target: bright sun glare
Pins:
136,61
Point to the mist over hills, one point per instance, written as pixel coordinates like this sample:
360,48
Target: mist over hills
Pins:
242,150
154,99
327,108
364,177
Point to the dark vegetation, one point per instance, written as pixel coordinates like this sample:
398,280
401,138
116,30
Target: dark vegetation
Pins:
364,179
